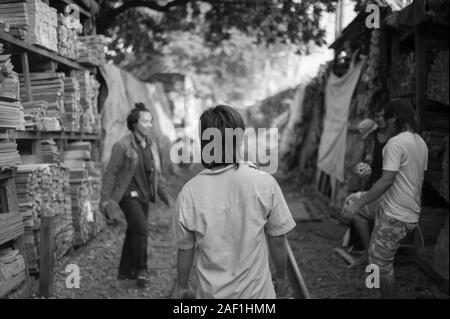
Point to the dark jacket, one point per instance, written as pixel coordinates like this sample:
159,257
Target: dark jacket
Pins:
121,167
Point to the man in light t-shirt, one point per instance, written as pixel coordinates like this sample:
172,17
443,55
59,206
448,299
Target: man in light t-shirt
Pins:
230,216
405,160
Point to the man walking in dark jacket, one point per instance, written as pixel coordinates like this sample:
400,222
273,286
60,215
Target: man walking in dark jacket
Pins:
131,181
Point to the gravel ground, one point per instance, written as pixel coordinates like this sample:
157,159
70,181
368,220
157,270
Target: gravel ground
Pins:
325,273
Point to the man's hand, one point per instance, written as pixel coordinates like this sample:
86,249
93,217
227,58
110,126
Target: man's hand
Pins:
351,210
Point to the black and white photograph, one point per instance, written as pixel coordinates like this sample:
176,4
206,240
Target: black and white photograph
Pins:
227,157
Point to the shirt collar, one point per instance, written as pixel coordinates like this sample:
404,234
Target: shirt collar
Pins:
226,168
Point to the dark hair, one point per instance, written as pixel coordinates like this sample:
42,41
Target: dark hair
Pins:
404,113
221,117
134,115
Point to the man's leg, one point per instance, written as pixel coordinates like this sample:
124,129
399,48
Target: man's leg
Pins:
362,227
386,237
137,234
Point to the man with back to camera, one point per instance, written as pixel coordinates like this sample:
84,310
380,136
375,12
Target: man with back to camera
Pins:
131,181
405,160
230,216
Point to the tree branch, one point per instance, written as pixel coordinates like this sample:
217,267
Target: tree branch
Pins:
108,15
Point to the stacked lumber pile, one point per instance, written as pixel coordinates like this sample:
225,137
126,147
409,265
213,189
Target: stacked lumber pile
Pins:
68,36
85,182
32,20
49,87
42,190
12,269
11,226
47,153
12,264
11,114
89,91
437,87
9,155
9,80
92,50
35,113
43,25
15,18
95,183
72,105
51,124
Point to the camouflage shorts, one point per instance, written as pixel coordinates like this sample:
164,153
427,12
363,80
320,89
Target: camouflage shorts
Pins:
386,237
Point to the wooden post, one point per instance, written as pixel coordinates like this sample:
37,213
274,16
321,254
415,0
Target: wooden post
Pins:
26,76
46,252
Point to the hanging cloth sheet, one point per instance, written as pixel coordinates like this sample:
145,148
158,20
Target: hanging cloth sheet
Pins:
338,96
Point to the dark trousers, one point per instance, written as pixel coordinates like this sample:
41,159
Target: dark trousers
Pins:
134,251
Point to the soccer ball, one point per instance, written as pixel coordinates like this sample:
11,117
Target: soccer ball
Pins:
362,169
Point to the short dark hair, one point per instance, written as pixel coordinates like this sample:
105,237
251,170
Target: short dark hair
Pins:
134,115
221,117
404,113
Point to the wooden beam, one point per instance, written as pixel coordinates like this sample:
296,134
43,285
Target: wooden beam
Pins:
26,74
40,51
47,256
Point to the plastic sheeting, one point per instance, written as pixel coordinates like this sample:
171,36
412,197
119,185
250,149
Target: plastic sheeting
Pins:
289,135
338,96
124,90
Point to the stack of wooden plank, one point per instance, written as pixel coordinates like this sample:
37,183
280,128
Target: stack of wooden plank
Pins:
11,114
14,16
34,113
9,155
9,80
43,24
85,180
6,67
72,105
89,91
12,270
12,264
49,87
92,50
68,36
43,190
95,181
11,226
51,124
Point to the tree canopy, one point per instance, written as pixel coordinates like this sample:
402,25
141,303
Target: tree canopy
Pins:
147,23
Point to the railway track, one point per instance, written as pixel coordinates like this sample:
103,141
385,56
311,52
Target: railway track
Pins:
295,276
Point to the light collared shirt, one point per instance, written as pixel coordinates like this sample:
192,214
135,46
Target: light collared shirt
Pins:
226,214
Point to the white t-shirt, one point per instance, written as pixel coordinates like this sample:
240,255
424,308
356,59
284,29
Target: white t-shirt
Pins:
406,154
226,215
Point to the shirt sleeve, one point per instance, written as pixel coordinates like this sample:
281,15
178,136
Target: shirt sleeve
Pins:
279,221
392,156
184,238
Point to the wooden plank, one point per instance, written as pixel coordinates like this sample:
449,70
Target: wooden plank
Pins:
47,250
26,72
